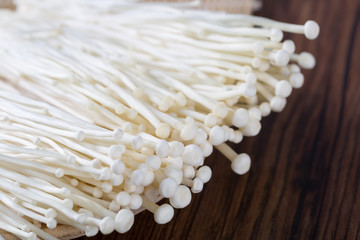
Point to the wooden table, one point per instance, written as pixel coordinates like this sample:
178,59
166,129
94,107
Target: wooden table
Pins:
305,177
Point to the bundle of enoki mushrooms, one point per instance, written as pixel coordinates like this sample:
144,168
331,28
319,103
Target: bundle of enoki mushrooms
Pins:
107,106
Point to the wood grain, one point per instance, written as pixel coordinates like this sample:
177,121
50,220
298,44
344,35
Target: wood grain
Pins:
304,180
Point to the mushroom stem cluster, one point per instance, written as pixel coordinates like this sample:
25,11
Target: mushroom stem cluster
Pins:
107,107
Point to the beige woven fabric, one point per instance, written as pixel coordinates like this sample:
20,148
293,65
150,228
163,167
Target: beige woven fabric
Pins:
230,6
7,4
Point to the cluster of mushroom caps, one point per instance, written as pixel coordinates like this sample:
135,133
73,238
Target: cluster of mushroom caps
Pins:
106,107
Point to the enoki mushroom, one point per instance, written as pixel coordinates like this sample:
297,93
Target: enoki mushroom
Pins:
105,107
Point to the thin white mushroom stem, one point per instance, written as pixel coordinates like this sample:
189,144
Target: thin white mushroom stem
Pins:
130,164
36,152
59,172
42,118
64,166
66,202
173,122
228,47
282,88
95,207
136,142
310,29
80,148
55,146
99,96
9,228
70,213
28,181
76,135
47,212
8,218
106,187
94,191
29,225
109,119
245,89
14,127
187,130
61,183
162,131
190,93
228,73
275,36
48,98
82,201
134,155
197,115
5,218
161,147
17,140
277,103
50,222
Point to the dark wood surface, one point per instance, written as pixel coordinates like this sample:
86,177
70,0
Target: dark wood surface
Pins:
305,175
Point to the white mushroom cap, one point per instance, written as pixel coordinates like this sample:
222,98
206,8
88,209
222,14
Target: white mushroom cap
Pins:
277,103
283,89
182,197
117,167
91,230
123,198
265,109
297,79
135,201
51,223
282,57
306,60
193,155
107,225
240,117
217,135
137,177
168,187
162,148
176,149
207,149
174,172
153,161
204,173
163,131
289,46
276,35
124,220
311,29
198,185
241,164
164,214
188,172
252,128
